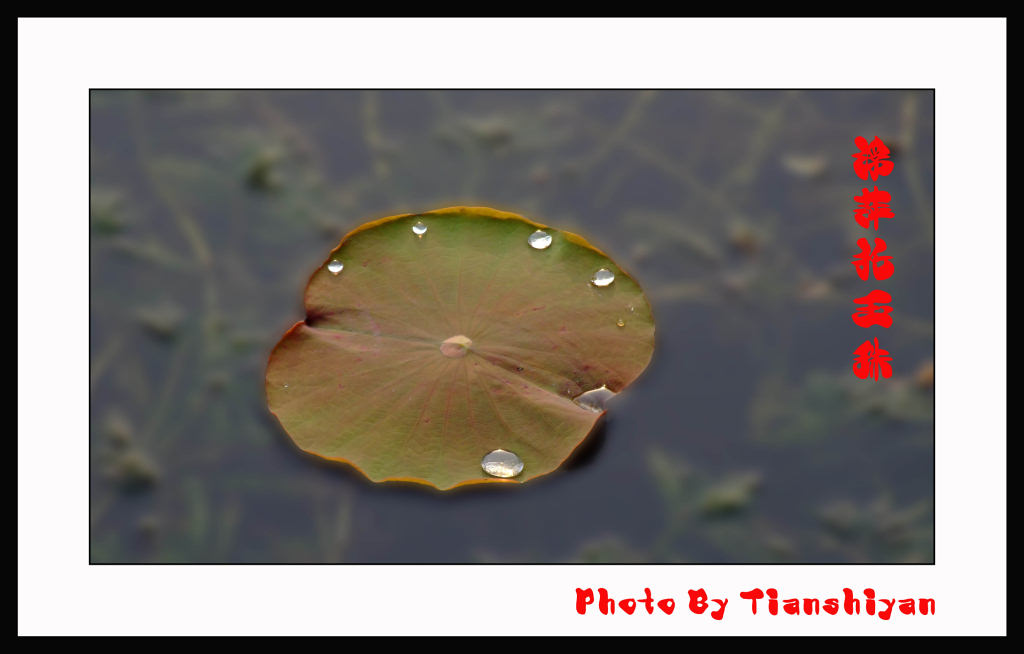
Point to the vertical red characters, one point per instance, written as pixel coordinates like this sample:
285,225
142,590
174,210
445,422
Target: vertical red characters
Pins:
874,309
871,360
872,160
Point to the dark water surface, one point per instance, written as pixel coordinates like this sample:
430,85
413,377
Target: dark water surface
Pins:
748,439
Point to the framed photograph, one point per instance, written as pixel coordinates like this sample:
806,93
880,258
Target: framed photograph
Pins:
512,326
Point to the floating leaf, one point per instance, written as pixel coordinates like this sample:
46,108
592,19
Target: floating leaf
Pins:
430,349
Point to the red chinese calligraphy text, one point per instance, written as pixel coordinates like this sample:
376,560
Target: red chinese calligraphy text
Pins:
872,205
873,309
872,160
869,259
871,361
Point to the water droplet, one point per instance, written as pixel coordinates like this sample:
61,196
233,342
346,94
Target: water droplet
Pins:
594,400
602,277
621,323
335,266
539,240
501,463
456,346
419,229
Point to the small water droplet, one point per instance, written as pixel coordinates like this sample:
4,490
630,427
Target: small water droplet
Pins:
594,400
501,463
602,277
419,229
539,240
335,266
621,323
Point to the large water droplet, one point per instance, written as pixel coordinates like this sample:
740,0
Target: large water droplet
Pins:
335,266
456,346
539,240
419,229
621,323
602,277
501,463
594,400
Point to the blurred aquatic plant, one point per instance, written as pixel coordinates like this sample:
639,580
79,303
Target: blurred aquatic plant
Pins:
878,530
163,319
689,493
710,509
107,211
608,549
808,166
126,464
826,402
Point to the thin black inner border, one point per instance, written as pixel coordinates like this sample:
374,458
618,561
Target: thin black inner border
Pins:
91,90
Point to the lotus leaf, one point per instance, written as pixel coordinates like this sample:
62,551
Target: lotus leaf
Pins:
434,339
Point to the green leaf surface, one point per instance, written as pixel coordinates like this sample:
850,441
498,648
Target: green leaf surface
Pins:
428,351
